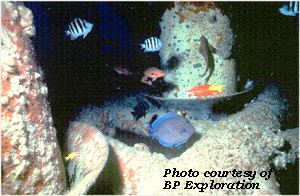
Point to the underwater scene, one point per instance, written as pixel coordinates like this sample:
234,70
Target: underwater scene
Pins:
150,98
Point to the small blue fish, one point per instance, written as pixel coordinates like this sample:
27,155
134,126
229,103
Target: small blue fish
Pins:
292,10
172,130
79,27
152,44
140,110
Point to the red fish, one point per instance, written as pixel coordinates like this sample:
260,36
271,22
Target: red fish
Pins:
151,74
206,90
123,71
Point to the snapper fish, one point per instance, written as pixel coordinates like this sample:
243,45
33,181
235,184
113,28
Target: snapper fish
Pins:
172,130
79,27
152,44
291,10
151,74
123,71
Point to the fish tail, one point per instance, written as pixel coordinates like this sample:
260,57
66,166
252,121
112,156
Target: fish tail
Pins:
65,33
142,46
136,116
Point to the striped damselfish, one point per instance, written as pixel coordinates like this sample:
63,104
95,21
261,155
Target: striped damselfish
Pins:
291,10
152,44
171,130
78,27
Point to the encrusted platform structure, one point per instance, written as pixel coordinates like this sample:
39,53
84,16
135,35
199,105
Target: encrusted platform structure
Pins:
32,162
30,157
182,27
242,142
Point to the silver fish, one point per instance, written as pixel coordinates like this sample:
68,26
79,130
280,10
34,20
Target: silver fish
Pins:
79,27
152,44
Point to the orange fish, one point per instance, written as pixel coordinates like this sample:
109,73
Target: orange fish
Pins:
206,90
151,74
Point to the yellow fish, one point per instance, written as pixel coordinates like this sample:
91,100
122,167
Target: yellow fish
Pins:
72,155
181,112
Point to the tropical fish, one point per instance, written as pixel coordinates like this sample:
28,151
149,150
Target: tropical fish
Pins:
249,84
292,10
121,70
181,112
72,155
78,27
171,130
140,110
152,44
206,50
206,90
151,74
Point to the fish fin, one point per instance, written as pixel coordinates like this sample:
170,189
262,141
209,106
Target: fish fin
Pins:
142,46
151,130
73,37
212,49
144,79
84,35
165,144
152,139
179,145
65,33
152,133
135,116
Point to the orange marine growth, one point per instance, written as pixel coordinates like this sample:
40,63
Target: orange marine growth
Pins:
206,90
151,74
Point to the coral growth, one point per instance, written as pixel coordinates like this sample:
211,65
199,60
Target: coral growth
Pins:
243,141
84,169
198,6
31,159
182,27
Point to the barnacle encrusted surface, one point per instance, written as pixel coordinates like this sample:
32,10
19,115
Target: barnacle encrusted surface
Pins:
243,141
31,160
181,29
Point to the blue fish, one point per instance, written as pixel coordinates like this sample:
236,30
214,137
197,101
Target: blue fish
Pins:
292,10
79,27
171,130
140,110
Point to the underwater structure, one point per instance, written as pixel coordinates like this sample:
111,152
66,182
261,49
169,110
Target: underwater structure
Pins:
248,142
31,160
198,36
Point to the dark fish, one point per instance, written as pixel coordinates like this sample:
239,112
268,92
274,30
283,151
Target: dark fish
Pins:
206,50
172,130
140,110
